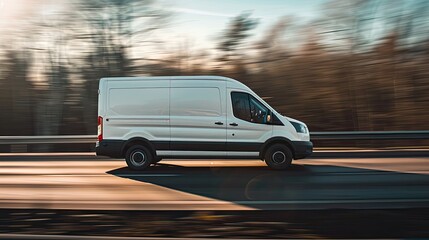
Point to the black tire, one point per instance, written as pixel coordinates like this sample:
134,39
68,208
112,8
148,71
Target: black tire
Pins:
138,157
278,156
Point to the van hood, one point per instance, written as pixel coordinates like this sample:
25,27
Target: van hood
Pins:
300,127
294,120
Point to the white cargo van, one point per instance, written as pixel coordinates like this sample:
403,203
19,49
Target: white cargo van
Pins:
146,119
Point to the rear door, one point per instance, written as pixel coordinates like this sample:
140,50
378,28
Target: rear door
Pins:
138,108
198,118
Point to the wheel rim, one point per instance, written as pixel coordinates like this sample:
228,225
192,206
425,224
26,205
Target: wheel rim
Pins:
279,157
138,158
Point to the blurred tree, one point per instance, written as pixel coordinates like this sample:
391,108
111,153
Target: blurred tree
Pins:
371,37
231,41
362,65
236,32
16,95
269,61
52,97
115,28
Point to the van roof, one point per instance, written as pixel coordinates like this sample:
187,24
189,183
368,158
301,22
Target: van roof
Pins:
232,82
202,77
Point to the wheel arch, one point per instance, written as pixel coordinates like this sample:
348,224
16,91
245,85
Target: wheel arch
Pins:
276,140
138,141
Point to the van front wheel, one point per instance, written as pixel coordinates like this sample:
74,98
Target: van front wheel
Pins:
138,157
278,156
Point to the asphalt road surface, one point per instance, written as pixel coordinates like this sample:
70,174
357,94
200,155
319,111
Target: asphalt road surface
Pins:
85,182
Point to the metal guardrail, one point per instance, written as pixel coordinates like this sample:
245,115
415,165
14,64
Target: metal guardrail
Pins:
355,135
370,135
48,139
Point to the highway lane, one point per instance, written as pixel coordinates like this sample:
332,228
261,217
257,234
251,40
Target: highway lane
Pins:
91,183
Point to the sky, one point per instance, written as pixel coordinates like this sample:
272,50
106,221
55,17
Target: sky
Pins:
201,21
194,22
15,13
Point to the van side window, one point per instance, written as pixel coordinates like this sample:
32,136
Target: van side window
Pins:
241,106
248,108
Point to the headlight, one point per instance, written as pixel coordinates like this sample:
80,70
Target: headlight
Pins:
301,128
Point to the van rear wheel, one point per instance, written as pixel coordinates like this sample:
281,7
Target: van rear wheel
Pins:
278,156
138,157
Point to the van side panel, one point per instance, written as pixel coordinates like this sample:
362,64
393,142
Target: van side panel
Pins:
198,116
137,109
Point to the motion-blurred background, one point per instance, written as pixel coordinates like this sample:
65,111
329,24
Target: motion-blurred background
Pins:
355,65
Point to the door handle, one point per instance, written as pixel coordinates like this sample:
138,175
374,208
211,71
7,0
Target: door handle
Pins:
233,124
219,123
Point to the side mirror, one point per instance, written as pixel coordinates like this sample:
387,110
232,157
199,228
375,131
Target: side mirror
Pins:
269,117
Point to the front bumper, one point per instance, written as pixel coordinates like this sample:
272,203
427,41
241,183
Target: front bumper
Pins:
302,149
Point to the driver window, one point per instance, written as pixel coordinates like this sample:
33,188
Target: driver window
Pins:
258,112
248,108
